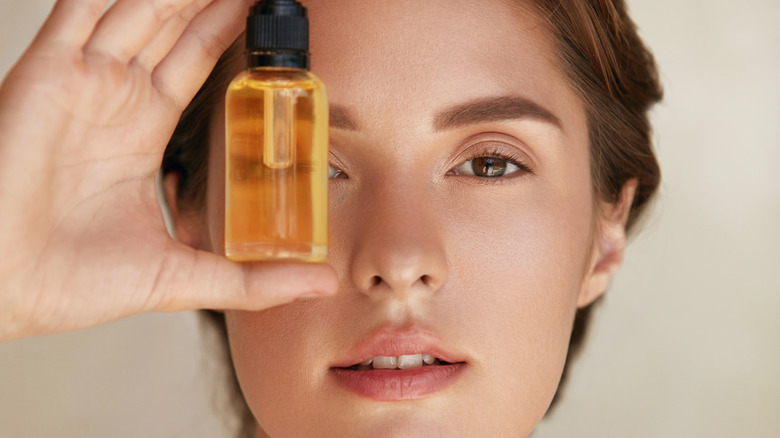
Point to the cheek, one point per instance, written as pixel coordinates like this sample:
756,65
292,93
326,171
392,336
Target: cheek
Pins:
254,360
271,352
516,282
526,265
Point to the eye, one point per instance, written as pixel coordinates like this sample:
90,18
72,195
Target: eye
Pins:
492,165
334,172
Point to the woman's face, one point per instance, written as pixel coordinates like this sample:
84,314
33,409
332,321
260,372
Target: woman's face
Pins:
462,226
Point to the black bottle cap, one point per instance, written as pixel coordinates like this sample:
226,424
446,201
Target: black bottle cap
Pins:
277,34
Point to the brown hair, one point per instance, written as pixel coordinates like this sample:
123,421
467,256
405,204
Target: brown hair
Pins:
607,65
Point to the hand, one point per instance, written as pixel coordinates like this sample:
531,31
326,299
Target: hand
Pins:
85,116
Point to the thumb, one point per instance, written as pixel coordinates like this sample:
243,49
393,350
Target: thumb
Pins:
193,279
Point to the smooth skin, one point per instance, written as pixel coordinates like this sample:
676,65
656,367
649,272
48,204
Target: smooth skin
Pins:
85,116
495,267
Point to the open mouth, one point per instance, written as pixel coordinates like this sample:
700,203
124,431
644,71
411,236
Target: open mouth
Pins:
396,378
396,364
404,362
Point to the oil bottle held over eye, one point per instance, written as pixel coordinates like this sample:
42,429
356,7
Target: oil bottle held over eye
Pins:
276,126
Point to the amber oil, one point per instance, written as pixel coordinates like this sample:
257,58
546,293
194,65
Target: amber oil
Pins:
276,158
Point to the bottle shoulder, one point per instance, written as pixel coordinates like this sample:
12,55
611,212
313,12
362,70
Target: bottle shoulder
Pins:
276,77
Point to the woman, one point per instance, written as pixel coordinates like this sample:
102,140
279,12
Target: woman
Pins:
487,162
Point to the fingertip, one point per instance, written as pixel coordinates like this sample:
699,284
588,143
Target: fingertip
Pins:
329,279
290,280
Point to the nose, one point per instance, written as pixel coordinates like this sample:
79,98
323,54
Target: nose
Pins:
399,250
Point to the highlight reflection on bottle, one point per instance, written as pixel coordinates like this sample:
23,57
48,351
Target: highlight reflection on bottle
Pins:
276,151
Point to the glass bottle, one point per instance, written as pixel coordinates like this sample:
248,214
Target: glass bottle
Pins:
276,126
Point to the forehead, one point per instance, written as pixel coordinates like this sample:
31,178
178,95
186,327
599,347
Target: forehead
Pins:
432,52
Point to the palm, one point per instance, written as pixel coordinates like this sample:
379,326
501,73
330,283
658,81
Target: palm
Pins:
85,124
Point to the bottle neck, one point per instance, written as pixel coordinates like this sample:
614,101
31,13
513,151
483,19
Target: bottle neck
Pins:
292,59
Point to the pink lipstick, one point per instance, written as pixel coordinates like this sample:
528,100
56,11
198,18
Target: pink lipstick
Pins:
395,365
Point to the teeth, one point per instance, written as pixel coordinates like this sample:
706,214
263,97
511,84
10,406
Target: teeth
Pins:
410,361
385,362
399,362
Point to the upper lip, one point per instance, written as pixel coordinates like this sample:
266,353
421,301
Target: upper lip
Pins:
396,341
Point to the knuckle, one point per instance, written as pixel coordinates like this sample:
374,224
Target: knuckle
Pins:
211,43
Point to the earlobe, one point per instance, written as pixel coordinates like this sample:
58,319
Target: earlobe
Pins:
186,226
609,245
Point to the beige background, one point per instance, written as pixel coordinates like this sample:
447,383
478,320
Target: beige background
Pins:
686,344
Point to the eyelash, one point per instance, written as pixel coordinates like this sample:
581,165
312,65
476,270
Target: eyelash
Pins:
514,159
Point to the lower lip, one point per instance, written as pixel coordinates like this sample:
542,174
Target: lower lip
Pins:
397,385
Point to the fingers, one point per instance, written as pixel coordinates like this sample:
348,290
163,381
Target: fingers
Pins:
177,41
70,23
166,38
130,25
208,35
199,280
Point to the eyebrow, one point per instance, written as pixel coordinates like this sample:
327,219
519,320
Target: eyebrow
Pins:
493,109
340,118
476,111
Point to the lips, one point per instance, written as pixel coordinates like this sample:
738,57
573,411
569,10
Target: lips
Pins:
395,365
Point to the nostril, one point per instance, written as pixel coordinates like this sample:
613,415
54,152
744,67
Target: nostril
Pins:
426,279
376,280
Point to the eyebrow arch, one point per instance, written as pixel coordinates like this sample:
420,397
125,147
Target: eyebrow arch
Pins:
340,118
492,109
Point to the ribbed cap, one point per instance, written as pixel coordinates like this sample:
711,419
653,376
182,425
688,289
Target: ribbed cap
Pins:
277,25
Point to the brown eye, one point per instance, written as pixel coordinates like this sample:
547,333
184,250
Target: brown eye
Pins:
334,172
487,167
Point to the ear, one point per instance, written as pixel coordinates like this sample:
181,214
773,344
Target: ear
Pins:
609,245
187,226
